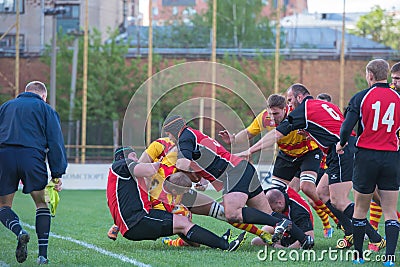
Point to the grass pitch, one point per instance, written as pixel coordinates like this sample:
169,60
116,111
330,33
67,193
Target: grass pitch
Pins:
79,238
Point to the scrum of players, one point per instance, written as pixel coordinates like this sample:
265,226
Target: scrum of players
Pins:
319,154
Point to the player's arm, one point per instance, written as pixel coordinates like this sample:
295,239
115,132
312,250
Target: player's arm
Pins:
266,141
145,158
351,118
240,137
144,169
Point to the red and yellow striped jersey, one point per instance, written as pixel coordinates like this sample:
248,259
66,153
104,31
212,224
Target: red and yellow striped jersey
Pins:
294,144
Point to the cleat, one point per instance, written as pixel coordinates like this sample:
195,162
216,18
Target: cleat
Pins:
377,246
345,242
235,244
42,260
308,243
113,232
388,263
178,242
166,240
227,235
340,227
359,261
328,232
280,229
266,238
21,253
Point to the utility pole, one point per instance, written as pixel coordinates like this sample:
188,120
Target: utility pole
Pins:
53,12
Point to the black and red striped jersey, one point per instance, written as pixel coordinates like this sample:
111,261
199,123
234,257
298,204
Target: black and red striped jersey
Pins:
127,196
210,158
321,119
298,210
377,110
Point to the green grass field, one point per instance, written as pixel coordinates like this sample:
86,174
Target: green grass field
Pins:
80,239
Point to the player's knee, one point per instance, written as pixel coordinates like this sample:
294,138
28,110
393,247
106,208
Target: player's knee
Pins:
233,216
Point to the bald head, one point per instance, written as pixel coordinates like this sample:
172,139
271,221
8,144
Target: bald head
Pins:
276,200
38,88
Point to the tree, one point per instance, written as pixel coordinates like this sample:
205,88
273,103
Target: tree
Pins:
239,24
111,81
380,26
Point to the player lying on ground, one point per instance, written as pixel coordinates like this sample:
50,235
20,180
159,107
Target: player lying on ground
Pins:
130,208
291,205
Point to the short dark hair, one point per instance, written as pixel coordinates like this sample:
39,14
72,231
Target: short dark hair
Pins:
379,68
395,68
324,96
36,87
174,125
298,89
276,100
122,152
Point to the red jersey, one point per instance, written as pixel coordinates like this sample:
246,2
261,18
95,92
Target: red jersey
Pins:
380,120
211,159
127,196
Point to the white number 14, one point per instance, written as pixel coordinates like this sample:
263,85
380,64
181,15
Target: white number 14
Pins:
386,119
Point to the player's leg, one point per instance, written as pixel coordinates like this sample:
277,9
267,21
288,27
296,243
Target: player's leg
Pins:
35,179
388,186
295,183
43,222
389,206
9,180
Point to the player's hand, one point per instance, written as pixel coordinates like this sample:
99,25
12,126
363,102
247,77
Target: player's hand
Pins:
244,154
227,137
339,148
200,187
57,184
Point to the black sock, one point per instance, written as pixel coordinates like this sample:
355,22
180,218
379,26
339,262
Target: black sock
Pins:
43,220
349,211
358,234
297,233
200,235
10,220
372,234
343,219
252,215
392,235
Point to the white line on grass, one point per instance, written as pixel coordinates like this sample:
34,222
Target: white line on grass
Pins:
3,264
96,248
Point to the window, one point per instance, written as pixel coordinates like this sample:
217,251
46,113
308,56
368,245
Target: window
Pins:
155,11
9,6
69,21
7,44
175,11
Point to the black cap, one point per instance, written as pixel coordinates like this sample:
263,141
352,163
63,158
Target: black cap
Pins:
122,152
174,125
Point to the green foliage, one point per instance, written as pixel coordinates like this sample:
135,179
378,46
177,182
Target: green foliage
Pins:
239,24
110,81
360,83
261,72
380,26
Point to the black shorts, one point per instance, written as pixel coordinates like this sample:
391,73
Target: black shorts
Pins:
340,166
287,167
158,223
24,164
242,178
376,168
